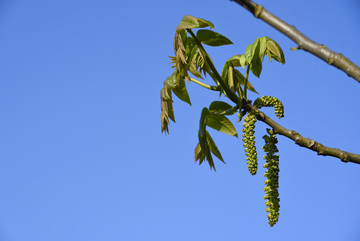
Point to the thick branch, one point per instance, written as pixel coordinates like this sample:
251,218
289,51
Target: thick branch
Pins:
336,59
303,141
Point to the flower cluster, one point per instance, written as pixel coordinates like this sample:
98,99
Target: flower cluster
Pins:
249,142
269,101
272,175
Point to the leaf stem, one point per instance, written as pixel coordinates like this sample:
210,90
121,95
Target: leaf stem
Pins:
209,87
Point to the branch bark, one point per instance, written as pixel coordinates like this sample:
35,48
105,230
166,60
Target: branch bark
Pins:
336,59
303,141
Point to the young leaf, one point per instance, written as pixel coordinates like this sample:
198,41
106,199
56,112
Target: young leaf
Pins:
252,54
275,50
199,155
212,38
241,80
188,22
220,106
166,109
204,150
237,61
262,45
243,62
204,114
213,148
256,63
221,123
205,23
191,22
172,81
181,92
249,53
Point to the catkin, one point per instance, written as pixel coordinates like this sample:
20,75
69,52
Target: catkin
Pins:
249,142
272,175
269,101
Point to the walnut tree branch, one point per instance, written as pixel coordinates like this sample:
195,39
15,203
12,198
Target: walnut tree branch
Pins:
303,141
336,59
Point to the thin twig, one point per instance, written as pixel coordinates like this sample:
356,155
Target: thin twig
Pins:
336,59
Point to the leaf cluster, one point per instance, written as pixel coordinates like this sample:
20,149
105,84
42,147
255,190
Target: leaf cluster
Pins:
191,59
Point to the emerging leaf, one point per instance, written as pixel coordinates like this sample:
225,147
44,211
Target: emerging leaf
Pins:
172,81
199,155
166,109
275,51
181,92
220,106
204,114
221,123
190,22
205,23
213,148
238,60
212,38
256,62
241,80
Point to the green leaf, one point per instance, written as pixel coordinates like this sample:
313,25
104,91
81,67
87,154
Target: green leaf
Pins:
275,50
204,114
165,94
190,22
262,45
243,61
225,70
237,61
172,81
213,148
241,80
249,53
212,38
176,83
204,150
181,92
221,123
199,155
194,71
220,106
252,54
256,63
205,23
171,111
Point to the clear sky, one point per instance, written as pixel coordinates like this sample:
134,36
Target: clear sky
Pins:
82,156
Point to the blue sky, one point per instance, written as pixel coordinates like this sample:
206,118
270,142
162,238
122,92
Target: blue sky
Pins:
82,156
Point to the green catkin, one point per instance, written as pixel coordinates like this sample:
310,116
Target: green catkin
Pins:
249,142
272,175
269,101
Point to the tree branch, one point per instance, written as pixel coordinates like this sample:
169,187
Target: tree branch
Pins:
303,141
336,59
293,135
